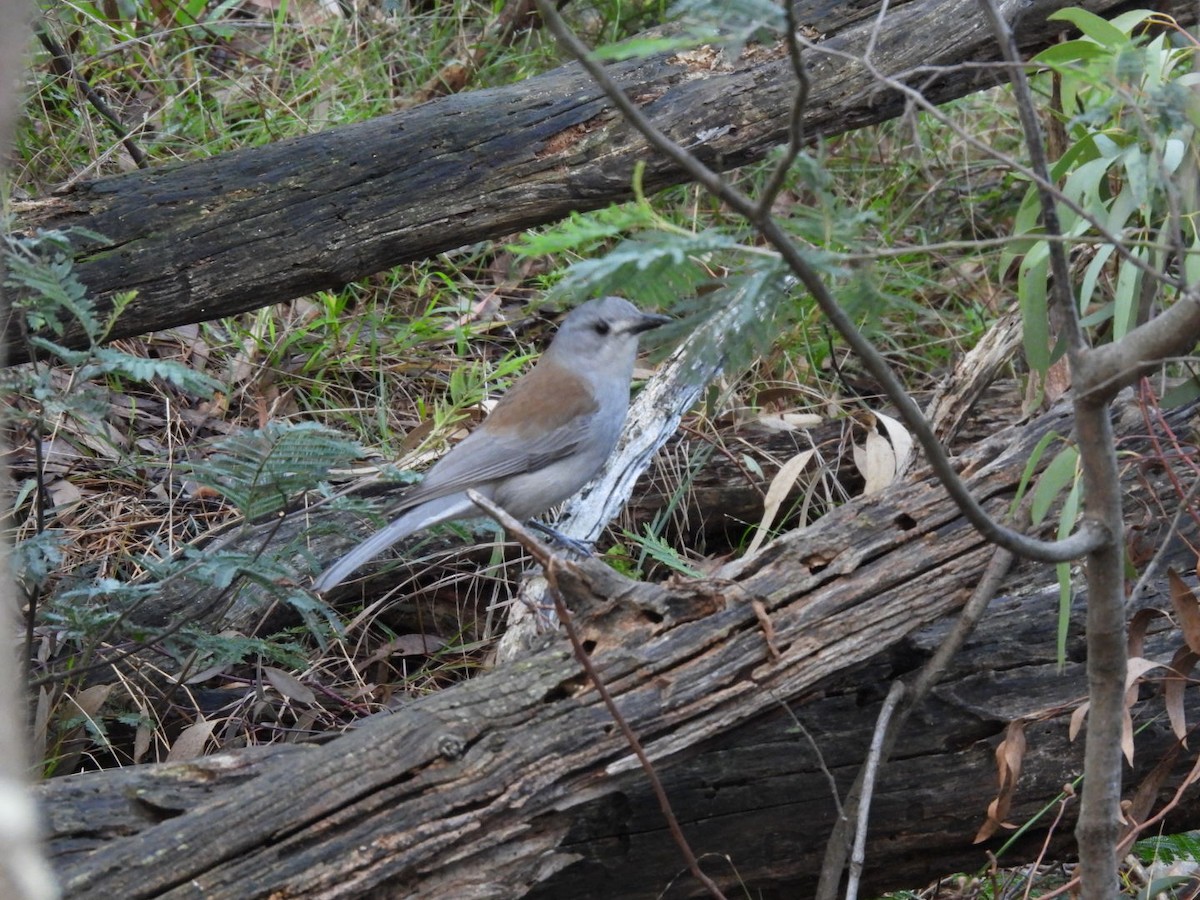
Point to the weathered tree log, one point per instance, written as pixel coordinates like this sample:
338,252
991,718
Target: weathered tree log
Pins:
518,782
258,226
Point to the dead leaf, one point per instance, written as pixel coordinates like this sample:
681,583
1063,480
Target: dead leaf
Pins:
141,741
41,723
1010,753
902,441
89,700
1058,380
289,686
1138,626
1187,610
876,460
781,486
1173,686
1135,669
1077,719
192,741
211,672
404,645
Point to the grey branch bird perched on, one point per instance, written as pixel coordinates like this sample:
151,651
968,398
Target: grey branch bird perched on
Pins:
545,439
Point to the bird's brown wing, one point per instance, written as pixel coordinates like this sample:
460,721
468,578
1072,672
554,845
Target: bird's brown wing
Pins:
529,428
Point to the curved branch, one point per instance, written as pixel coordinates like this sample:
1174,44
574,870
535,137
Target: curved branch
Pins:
1090,534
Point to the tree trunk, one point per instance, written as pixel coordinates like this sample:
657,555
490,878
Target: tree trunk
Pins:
518,783
267,224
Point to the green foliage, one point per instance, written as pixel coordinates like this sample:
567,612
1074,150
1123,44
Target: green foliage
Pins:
654,547
224,649
656,267
260,471
1169,848
1165,850
584,234
45,293
1129,115
1060,474
39,557
733,22
41,271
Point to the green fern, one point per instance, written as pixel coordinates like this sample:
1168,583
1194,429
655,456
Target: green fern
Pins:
260,471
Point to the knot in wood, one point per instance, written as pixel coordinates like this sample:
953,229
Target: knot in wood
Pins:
451,746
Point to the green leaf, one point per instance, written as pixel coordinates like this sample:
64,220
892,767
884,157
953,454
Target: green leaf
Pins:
1062,55
1066,522
1126,296
1035,457
1137,175
1178,395
1031,293
1058,474
1091,25
1087,287
1086,183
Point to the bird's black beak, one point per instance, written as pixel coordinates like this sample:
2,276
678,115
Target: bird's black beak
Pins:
647,322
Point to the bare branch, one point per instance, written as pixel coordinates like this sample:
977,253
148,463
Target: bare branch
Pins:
876,757
581,654
1103,371
796,122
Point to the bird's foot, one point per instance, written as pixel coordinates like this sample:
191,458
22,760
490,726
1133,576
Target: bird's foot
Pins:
582,548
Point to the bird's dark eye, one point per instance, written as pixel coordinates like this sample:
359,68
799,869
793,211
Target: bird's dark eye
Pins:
602,327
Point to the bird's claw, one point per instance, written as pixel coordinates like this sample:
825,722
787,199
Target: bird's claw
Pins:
582,548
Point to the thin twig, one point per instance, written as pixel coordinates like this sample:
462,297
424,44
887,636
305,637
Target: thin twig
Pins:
875,759
820,757
534,546
795,121
934,667
64,67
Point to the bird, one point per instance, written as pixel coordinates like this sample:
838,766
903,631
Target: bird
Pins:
547,436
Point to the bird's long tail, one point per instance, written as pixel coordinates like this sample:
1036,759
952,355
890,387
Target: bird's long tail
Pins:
426,515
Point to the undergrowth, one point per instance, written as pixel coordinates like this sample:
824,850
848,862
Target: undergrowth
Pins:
398,362
128,458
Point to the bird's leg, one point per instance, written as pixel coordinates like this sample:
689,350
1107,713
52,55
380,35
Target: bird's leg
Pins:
582,548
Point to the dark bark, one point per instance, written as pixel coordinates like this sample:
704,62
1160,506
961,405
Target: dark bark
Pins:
263,225
517,782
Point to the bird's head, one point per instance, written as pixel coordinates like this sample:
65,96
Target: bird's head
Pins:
602,334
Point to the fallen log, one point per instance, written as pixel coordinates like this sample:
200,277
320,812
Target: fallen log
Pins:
519,783
262,225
